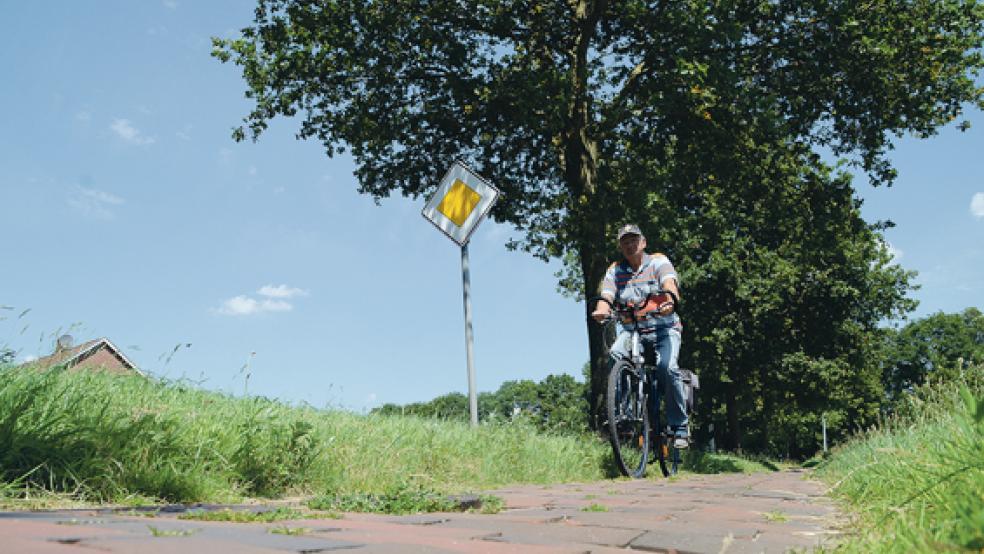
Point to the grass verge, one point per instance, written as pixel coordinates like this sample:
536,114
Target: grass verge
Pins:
70,438
722,462
917,482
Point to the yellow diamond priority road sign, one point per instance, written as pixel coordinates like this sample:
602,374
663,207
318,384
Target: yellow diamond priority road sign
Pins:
459,202
462,200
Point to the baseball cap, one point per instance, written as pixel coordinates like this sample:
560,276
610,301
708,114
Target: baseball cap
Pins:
630,229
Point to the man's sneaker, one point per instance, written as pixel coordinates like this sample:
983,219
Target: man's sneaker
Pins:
680,443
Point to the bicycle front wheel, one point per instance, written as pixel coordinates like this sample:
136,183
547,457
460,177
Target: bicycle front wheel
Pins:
628,420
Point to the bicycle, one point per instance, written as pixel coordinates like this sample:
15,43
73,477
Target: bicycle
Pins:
627,399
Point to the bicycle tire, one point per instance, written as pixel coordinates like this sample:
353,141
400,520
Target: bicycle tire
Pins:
628,420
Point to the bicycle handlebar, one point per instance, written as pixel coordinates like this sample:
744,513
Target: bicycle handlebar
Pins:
633,310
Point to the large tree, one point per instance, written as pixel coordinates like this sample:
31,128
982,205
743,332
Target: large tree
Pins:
789,286
572,107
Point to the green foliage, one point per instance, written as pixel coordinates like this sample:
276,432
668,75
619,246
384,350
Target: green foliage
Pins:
491,504
786,285
403,499
52,432
938,347
595,507
555,404
95,437
513,397
274,455
410,86
243,516
563,403
775,517
451,406
700,462
918,481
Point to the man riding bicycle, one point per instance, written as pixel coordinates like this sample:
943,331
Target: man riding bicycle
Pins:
631,281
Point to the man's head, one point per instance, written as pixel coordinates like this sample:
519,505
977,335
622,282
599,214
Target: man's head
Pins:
631,242
630,229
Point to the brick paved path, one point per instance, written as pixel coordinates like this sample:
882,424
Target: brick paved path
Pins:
774,512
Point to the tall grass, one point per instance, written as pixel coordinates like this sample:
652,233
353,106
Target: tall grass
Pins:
102,438
917,482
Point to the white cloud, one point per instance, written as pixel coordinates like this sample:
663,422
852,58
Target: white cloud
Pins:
28,358
171,4
272,300
244,305
281,291
977,205
126,131
239,305
83,116
252,171
94,203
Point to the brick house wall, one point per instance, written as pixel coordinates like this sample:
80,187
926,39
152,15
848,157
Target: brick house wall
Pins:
103,359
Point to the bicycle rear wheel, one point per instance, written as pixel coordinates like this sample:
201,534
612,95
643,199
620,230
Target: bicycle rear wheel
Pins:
628,420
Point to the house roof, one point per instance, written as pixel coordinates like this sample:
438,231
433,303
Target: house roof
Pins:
77,354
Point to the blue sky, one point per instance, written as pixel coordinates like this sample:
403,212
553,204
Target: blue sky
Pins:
129,213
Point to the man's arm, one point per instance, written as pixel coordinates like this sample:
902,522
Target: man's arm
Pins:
666,308
602,309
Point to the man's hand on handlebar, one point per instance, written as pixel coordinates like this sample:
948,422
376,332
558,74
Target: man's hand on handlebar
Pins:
602,311
661,302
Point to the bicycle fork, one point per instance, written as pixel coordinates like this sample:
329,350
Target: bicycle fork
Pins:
635,350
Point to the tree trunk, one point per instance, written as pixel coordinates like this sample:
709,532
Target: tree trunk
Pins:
766,416
593,265
734,431
579,160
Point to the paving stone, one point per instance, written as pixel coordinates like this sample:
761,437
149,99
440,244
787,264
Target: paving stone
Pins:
734,514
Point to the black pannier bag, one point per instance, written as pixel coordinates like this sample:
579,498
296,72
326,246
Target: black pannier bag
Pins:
690,385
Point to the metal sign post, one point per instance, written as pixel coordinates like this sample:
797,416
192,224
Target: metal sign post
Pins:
462,200
823,420
469,340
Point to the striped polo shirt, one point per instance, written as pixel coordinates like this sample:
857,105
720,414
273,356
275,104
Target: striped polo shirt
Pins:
630,286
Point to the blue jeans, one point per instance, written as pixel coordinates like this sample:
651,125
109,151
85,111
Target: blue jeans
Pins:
666,341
